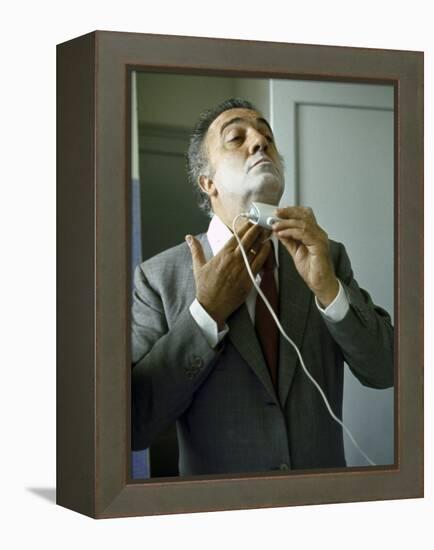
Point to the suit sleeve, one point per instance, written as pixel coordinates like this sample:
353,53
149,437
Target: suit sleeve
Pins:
169,364
365,334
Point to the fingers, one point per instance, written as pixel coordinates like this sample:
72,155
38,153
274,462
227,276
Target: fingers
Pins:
241,230
304,229
295,212
197,254
259,259
252,238
302,235
242,225
292,246
285,224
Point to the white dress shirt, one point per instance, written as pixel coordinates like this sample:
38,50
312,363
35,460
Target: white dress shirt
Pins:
218,234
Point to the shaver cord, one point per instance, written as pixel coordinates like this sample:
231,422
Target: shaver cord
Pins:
311,378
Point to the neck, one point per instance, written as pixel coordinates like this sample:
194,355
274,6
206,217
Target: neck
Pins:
227,215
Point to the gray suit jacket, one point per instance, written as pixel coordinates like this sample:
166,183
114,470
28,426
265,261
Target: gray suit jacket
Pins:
229,417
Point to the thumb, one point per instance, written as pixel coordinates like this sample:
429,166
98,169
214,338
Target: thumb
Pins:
290,245
197,255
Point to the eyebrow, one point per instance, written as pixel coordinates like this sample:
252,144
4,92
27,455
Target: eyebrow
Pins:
239,119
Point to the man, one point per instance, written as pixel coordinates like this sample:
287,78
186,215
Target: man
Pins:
201,342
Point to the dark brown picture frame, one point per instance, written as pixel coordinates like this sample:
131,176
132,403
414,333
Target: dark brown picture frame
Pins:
93,368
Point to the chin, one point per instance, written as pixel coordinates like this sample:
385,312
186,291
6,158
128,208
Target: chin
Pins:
269,191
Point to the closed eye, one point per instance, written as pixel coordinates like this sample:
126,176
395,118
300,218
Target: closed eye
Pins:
236,140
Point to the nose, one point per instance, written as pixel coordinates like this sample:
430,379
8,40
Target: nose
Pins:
258,142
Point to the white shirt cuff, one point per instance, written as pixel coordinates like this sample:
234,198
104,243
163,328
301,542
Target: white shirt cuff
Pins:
207,324
337,310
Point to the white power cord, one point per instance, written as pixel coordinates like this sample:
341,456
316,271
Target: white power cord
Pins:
314,382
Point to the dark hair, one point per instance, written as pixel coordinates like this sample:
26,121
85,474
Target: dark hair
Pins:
197,161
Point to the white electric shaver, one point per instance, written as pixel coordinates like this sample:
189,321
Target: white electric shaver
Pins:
262,214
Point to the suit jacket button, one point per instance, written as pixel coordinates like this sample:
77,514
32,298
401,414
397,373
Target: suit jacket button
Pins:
284,467
196,362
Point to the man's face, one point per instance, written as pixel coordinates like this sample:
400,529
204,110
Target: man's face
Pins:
244,161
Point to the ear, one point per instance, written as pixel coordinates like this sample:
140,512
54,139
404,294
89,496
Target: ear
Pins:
208,186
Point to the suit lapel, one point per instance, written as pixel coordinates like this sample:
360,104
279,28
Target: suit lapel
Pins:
243,336
294,303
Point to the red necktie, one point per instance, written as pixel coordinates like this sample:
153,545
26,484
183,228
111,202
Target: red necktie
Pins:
266,327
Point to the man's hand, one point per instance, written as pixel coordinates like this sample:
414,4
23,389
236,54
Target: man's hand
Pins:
308,245
222,283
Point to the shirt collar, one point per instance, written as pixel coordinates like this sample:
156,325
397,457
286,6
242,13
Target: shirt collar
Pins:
218,235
